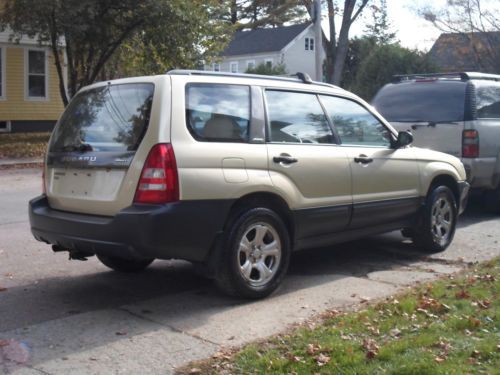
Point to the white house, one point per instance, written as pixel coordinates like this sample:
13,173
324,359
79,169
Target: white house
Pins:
293,46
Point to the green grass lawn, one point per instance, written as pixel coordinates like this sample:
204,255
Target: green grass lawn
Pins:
450,326
23,145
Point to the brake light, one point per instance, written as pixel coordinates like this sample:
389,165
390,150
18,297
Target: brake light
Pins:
159,182
470,144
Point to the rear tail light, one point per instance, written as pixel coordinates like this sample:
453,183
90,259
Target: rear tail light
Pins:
159,182
470,144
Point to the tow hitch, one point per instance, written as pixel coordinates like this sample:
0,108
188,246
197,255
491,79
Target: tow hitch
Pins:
73,254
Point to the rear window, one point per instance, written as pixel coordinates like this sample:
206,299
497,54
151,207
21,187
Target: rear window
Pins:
107,118
436,101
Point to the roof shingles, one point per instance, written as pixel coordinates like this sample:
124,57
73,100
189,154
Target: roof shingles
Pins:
262,40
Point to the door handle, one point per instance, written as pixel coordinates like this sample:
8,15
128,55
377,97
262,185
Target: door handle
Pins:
285,159
363,159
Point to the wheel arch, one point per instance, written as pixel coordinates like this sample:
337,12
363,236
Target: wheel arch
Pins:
266,200
448,181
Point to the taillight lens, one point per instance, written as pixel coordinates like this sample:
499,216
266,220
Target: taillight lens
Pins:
470,144
159,182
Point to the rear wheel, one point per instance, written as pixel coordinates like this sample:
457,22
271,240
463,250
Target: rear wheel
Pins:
437,225
255,256
124,265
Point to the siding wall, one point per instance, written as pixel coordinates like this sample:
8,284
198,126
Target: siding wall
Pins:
298,59
225,64
15,106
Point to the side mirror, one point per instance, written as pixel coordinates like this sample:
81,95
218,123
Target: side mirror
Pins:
404,139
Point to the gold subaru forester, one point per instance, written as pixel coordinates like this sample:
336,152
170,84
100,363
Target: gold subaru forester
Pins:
234,172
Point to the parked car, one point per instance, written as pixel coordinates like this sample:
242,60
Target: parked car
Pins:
456,113
234,172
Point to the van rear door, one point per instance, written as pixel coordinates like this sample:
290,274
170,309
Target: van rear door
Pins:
433,110
92,148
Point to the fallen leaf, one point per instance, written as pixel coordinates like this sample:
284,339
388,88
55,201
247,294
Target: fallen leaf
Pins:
395,332
474,322
195,370
313,348
371,354
439,359
322,359
484,304
364,299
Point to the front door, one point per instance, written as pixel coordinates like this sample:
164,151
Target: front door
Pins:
385,181
306,164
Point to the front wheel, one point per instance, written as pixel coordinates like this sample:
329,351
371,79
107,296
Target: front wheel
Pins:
437,224
124,265
255,256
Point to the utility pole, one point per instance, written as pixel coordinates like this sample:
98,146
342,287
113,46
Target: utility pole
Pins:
318,40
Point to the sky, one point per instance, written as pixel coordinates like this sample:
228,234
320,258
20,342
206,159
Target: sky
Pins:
411,29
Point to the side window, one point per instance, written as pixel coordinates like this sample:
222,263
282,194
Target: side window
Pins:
488,102
296,118
218,113
355,124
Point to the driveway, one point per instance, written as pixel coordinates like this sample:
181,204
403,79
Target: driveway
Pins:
60,316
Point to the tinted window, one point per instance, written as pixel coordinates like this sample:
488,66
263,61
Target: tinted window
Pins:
297,118
354,124
218,113
435,101
488,101
107,118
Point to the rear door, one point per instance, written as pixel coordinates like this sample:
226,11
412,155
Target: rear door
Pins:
93,146
433,110
385,181
306,163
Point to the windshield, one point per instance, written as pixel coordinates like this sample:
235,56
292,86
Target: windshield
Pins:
107,118
436,101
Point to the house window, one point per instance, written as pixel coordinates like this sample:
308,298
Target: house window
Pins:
250,64
4,126
216,67
269,63
234,67
36,74
309,44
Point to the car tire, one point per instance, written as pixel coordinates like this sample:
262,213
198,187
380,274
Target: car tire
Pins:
491,200
438,221
255,254
124,265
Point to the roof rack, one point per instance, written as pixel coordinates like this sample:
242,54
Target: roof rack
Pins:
301,77
463,76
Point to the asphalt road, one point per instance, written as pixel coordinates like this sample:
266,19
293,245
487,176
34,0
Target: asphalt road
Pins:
61,317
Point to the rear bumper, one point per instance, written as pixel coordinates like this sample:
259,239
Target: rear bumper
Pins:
482,173
182,230
463,191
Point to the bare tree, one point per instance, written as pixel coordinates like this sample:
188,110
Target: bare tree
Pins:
476,20
337,45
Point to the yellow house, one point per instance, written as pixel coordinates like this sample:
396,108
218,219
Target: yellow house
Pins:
29,86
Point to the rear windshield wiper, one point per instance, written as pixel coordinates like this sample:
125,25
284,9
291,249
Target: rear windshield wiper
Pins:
82,147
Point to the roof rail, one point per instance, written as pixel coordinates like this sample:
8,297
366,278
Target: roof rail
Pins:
464,76
301,77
